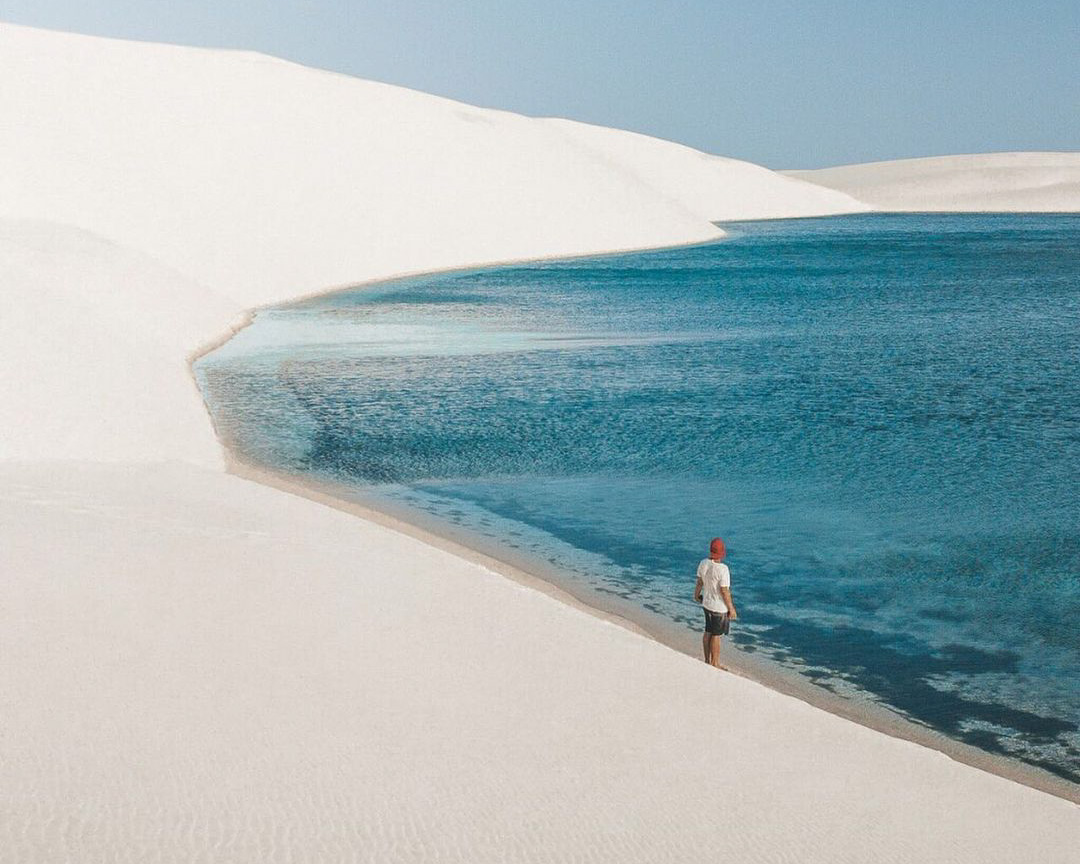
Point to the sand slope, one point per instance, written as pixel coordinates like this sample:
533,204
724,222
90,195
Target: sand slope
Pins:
267,179
215,671
94,340
194,667
985,182
271,179
716,187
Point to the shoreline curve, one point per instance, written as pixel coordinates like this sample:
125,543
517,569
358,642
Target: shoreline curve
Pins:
875,716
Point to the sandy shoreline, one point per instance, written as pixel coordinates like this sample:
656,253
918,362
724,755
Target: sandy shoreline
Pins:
551,581
657,628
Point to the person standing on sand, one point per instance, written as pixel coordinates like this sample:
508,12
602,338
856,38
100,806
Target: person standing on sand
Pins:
713,591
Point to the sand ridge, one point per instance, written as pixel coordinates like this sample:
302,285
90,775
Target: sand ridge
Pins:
977,183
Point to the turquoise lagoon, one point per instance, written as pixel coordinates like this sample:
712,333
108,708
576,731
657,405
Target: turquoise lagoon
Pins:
880,414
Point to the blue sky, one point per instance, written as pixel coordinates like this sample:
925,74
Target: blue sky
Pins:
786,84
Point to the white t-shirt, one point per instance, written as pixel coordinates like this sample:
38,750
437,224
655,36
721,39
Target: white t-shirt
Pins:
713,576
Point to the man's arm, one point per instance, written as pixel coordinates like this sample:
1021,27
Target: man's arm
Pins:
725,592
697,590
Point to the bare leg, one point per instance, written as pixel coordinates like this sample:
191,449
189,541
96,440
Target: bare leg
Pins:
714,651
705,647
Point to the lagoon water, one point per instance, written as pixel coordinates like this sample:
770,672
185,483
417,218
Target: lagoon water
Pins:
880,414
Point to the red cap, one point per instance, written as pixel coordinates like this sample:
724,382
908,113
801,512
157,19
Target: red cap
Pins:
717,550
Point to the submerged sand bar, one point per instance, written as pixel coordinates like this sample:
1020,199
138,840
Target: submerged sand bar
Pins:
198,667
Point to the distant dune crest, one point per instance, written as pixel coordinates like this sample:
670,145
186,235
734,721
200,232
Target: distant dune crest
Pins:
983,182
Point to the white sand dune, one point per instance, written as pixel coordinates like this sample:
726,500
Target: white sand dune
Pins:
94,340
196,667
273,179
715,187
983,182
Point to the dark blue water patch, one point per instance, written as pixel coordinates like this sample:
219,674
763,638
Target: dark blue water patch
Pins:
881,414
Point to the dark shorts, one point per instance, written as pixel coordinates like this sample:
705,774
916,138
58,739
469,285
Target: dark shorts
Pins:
717,623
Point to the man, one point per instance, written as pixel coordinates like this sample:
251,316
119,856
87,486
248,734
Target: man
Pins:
713,592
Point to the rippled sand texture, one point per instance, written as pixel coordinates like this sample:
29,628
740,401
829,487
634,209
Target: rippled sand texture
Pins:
200,668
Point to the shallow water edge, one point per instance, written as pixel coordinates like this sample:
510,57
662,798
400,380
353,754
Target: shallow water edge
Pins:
640,621
784,672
